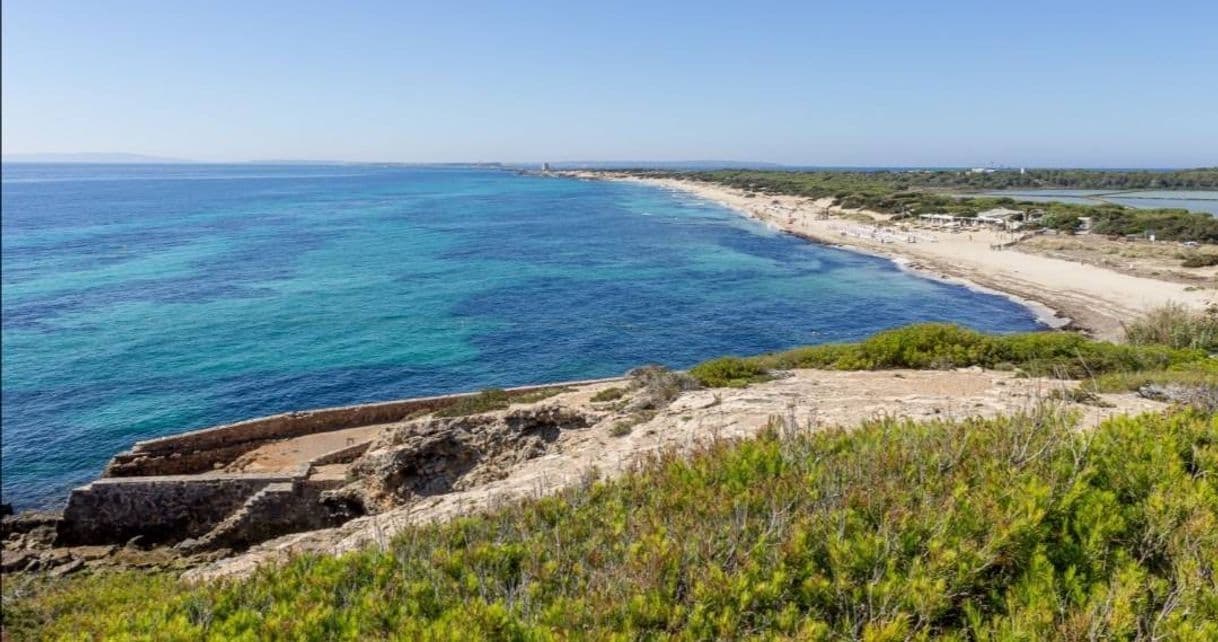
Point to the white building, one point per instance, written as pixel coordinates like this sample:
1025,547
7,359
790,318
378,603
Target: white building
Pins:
1008,218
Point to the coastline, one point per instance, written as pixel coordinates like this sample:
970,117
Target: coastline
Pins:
1060,293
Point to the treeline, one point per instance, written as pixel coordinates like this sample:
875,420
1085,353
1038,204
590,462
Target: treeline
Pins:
1204,178
910,193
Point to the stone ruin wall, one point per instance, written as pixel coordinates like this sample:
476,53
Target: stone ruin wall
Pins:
165,489
201,451
160,509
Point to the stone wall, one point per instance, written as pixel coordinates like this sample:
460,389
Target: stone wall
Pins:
167,491
343,455
201,451
161,509
278,509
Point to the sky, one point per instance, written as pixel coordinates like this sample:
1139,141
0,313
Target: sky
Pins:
894,83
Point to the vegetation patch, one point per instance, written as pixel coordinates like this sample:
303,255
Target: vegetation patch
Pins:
1063,355
623,427
493,399
539,394
609,394
1177,326
657,387
729,372
486,401
1011,528
1199,373
1200,260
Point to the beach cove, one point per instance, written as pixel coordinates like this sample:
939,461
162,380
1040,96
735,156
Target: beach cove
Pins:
1059,292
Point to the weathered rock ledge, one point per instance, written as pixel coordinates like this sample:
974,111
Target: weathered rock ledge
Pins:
220,502
193,497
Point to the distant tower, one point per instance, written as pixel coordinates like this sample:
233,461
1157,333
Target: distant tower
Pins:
545,167
1022,171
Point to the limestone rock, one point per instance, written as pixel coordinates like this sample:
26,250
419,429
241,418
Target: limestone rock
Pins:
436,455
14,561
1202,397
67,568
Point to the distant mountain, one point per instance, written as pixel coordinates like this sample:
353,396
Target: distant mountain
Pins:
89,157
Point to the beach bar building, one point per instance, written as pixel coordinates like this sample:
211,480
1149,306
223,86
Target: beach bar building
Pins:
941,220
1001,216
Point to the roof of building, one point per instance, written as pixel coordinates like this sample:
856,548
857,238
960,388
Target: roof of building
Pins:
999,212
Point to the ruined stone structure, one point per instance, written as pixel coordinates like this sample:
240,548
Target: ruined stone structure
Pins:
238,484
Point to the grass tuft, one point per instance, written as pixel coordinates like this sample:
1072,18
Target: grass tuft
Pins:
729,372
608,394
1176,326
486,401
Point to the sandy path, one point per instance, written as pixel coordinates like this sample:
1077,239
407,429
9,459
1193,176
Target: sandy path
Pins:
287,454
1096,299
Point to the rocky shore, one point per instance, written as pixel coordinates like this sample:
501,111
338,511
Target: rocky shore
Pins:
222,501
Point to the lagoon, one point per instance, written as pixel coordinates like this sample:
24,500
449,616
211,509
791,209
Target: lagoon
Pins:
1192,200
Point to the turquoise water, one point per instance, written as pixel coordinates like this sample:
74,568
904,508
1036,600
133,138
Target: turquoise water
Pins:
1192,200
145,300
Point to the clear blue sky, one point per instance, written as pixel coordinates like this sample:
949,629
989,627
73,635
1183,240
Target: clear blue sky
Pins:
1115,84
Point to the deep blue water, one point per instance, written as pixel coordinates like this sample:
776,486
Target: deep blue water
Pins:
145,300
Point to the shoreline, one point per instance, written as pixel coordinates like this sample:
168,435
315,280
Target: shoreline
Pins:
1096,300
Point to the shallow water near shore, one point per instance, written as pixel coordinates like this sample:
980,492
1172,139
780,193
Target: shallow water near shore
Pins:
140,301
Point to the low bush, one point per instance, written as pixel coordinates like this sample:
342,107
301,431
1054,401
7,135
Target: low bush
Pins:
940,346
486,401
1020,528
728,372
538,394
1198,373
609,394
1177,326
1200,260
657,386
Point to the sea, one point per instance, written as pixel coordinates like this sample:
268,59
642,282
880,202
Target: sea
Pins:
144,300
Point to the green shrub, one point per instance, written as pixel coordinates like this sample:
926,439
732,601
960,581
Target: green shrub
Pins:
609,394
538,394
1018,528
728,372
928,345
826,356
486,401
1200,260
657,386
1199,373
1177,326
620,428
1064,355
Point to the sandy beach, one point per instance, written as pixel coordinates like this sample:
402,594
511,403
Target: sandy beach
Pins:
1061,292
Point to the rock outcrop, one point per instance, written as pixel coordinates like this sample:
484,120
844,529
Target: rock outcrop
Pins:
436,455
